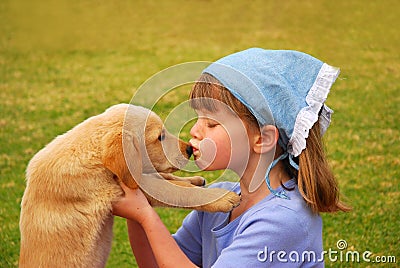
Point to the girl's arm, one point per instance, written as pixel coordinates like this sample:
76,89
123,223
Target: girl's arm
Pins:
148,235
165,249
140,245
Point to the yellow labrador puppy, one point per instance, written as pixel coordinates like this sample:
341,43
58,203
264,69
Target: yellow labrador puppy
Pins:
66,213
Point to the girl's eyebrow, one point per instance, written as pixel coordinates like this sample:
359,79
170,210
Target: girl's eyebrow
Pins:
207,117
202,114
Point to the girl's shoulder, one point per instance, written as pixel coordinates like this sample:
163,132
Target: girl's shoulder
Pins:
295,203
271,204
288,215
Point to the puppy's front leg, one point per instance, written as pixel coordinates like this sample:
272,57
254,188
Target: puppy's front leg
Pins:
181,194
195,180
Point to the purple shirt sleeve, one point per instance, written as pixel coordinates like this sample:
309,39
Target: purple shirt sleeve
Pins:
189,237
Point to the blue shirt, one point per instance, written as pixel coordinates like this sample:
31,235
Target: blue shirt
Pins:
274,232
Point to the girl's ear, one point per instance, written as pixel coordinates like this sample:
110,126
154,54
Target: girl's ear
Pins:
266,140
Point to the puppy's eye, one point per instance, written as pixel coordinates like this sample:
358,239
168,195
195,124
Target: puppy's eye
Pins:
161,137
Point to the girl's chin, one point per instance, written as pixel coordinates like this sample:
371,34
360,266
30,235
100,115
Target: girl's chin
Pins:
203,165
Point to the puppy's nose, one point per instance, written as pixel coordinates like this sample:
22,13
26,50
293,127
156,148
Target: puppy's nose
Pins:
189,150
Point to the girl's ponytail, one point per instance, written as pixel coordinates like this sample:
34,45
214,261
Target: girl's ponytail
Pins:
315,179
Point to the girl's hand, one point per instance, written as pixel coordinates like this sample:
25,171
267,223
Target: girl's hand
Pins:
151,241
132,206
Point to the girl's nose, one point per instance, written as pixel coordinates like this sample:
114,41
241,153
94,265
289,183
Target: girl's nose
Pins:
195,130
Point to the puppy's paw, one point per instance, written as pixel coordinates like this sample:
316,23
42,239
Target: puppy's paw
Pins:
229,201
225,203
197,180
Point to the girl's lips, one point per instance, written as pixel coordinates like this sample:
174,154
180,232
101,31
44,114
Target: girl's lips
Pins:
193,144
196,151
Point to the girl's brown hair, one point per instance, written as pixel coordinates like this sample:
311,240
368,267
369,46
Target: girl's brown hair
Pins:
315,179
208,89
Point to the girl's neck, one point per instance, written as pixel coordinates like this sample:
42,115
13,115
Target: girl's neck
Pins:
250,197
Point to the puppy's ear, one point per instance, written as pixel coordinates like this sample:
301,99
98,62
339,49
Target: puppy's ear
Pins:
123,158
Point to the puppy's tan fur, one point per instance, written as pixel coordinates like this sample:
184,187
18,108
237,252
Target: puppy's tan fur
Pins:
66,213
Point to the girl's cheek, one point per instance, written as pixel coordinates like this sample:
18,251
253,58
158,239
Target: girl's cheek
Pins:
208,152
208,149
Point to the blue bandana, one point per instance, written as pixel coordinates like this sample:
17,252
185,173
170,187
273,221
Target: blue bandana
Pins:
280,87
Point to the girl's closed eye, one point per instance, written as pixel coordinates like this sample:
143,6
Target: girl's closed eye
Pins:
212,125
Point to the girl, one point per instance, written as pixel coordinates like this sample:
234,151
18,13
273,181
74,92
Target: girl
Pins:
261,113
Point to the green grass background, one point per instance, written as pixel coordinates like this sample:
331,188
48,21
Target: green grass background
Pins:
63,61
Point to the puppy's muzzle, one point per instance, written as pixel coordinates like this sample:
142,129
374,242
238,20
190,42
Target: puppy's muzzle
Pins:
189,150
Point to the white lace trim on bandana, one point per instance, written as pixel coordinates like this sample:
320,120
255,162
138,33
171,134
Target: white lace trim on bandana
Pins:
309,114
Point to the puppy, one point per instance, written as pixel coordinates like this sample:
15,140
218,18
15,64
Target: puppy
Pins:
66,212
